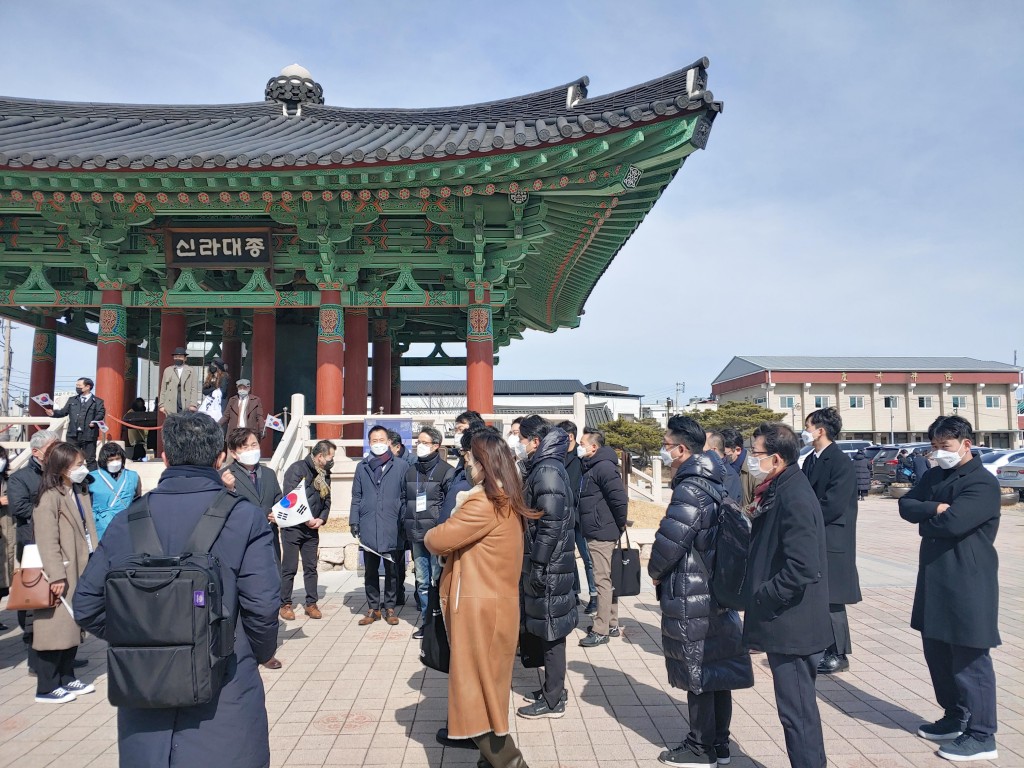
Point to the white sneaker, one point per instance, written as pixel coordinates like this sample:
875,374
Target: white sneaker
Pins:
56,696
78,688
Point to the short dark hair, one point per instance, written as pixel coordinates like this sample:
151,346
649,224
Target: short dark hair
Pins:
139,405
517,420
435,435
714,439
568,427
829,420
109,450
192,439
394,438
239,437
467,417
473,428
323,448
535,426
688,432
732,438
379,428
779,439
596,435
88,382
951,428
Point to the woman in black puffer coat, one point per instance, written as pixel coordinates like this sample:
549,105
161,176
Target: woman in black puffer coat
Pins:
702,642
862,467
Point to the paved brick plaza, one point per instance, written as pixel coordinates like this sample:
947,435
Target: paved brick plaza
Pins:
348,695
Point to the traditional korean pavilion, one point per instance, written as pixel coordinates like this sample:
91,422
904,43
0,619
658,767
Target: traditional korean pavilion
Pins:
312,231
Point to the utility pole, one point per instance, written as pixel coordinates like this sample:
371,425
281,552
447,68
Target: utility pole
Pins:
680,389
6,391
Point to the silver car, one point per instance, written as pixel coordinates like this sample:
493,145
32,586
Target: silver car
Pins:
996,459
1011,475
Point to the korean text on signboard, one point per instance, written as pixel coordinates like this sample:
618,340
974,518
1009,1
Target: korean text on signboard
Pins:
222,247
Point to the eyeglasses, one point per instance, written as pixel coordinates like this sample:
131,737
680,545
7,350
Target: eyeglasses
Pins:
670,445
758,453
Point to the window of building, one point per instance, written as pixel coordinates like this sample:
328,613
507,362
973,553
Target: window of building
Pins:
761,401
821,401
789,401
959,401
992,401
892,401
924,402
856,401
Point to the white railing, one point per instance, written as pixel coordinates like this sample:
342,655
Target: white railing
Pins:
648,485
60,426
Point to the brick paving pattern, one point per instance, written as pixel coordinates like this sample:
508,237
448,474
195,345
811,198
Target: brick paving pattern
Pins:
349,695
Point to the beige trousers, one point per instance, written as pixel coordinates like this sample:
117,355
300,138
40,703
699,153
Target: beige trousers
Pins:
607,611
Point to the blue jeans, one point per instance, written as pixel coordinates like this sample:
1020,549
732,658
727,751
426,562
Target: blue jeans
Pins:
428,571
588,566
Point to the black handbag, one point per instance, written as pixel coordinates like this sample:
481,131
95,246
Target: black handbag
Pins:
434,649
531,650
625,570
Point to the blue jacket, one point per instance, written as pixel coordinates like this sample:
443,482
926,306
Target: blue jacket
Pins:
111,495
378,509
232,731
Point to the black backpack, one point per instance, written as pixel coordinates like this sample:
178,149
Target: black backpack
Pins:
732,542
169,640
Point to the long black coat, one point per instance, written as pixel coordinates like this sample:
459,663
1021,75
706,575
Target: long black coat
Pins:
231,731
862,468
22,494
703,642
604,504
431,478
957,596
787,585
550,541
81,416
378,509
834,480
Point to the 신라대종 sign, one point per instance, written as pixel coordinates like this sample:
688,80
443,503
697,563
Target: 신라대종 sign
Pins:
228,247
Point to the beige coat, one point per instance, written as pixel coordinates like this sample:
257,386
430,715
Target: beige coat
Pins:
64,552
480,601
8,544
191,393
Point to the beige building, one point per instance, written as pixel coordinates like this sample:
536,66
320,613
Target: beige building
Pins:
884,399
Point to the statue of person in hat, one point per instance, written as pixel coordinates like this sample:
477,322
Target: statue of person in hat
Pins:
179,386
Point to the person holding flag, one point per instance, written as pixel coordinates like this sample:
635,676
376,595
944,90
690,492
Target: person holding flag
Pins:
313,475
85,413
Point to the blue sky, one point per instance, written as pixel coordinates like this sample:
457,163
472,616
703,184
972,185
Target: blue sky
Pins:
861,194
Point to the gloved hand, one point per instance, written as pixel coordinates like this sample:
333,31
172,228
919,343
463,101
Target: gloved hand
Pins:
355,530
537,581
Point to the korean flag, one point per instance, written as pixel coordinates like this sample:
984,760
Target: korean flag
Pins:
43,400
274,423
293,509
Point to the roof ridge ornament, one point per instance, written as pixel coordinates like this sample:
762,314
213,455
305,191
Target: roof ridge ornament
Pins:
576,92
293,88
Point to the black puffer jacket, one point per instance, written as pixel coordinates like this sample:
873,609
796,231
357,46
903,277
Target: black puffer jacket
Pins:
703,643
550,541
604,503
431,478
862,466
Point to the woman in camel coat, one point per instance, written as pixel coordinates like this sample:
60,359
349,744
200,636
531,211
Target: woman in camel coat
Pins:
66,535
482,544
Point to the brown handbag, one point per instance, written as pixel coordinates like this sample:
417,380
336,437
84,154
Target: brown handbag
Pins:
30,591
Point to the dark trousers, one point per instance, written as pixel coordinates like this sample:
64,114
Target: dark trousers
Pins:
371,579
554,671
295,541
964,683
54,669
88,448
710,714
841,644
277,542
798,707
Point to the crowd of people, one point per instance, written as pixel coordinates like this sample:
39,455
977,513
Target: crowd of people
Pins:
497,535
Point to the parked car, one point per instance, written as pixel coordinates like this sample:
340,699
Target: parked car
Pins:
1011,475
993,460
885,465
849,447
872,450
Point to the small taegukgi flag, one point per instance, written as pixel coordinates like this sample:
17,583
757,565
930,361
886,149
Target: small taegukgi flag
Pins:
293,509
102,426
274,423
44,400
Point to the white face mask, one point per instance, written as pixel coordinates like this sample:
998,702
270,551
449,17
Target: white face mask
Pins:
666,457
423,450
948,459
78,474
520,450
806,437
581,451
378,449
243,393
114,467
249,458
754,467
513,441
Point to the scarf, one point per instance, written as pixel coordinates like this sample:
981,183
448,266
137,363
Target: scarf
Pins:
320,482
426,466
755,509
376,464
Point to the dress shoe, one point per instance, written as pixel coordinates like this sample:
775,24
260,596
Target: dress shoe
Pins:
287,613
391,617
313,612
443,739
591,608
369,618
274,663
831,663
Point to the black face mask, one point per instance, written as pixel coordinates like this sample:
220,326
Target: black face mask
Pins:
179,363
329,466
79,391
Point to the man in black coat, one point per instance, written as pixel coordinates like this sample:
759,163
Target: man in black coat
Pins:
548,561
787,588
714,442
834,479
604,507
574,469
232,730
304,539
956,604
84,411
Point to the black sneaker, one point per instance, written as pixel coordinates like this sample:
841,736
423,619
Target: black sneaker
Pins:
615,631
945,729
592,640
444,739
967,746
536,695
686,756
56,696
540,708
722,753
591,608
418,634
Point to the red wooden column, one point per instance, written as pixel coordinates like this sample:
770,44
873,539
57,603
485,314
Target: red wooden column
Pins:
480,357
381,368
231,352
356,340
172,334
263,352
396,382
330,359
110,355
44,365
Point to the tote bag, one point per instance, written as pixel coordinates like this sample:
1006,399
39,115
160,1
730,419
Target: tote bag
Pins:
434,649
625,570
